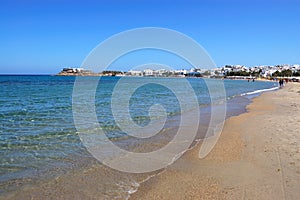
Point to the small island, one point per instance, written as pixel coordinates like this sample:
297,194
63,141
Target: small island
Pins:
85,72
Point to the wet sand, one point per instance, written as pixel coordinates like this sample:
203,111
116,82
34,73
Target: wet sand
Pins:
256,157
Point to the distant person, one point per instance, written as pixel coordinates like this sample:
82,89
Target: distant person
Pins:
280,83
286,81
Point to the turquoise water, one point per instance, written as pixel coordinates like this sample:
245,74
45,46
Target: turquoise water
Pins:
37,131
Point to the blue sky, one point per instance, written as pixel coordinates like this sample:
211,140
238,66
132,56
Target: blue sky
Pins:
41,37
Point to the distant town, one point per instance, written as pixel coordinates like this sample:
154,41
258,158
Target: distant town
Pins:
227,71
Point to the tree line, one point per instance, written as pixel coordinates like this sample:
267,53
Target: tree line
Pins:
283,73
286,73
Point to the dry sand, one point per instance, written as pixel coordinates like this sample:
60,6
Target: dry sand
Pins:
256,157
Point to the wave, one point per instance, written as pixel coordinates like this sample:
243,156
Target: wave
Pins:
259,91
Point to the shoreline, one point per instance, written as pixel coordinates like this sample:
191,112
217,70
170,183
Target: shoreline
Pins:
59,184
251,160
40,188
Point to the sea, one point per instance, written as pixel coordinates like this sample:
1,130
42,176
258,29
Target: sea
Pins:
39,141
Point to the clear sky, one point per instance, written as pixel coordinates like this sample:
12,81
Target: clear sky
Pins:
41,37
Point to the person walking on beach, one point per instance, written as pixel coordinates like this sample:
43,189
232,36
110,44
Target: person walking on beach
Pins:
286,81
280,83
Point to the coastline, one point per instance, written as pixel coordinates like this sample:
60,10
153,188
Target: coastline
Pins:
63,185
88,179
256,157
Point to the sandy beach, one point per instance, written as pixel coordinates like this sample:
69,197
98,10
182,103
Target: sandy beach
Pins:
149,100
257,157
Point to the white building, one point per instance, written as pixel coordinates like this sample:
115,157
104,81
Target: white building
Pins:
135,73
148,72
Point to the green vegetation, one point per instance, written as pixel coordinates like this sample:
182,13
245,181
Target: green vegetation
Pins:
206,73
238,73
296,73
283,73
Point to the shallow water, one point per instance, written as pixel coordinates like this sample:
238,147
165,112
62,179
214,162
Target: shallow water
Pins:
38,138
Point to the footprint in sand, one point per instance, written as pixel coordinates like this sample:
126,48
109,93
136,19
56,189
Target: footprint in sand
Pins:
292,163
